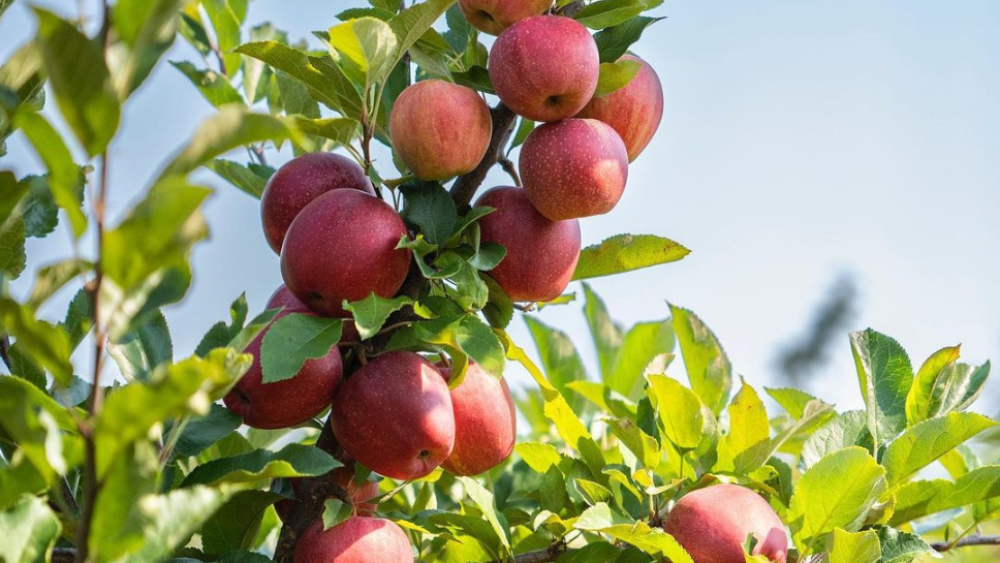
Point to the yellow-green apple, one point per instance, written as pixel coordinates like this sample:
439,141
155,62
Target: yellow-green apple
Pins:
359,497
545,67
485,422
342,246
301,180
286,403
494,16
541,253
395,416
440,129
634,111
358,539
713,523
574,168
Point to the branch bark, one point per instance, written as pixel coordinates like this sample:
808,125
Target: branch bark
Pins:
465,186
966,542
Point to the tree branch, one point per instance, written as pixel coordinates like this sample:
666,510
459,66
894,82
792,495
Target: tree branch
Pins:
4,346
966,542
63,555
547,555
465,186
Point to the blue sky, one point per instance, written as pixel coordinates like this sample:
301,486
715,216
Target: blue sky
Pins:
799,140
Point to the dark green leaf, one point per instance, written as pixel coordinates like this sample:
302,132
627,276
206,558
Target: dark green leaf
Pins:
13,258
239,175
846,430
885,377
202,432
64,176
475,77
901,547
624,253
371,312
607,13
143,349
41,215
613,42
499,309
235,525
79,318
294,460
45,343
292,340
221,334
524,128
411,24
430,209
216,89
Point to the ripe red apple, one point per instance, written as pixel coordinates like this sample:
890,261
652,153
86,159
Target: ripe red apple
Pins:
355,540
713,523
343,246
344,478
394,415
485,423
286,403
494,16
633,111
301,180
541,254
440,129
545,67
574,168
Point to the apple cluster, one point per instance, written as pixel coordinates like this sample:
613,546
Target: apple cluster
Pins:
338,242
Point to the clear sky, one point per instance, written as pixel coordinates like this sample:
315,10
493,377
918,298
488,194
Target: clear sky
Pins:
799,140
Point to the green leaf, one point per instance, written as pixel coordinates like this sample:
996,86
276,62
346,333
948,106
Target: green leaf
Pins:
430,209
79,318
140,351
53,277
411,24
747,446
369,44
148,29
73,394
202,432
885,376
815,413
654,541
558,355
292,340
897,546
326,81
921,498
854,547
221,334
608,13
239,175
924,443
708,367
256,325
477,78
30,530
943,385
232,127
644,343
539,457
41,215
235,525
817,509
335,511
484,500
341,130
80,80
794,401
294,460
13,258
371,312
846,430
469,335
625,253
216,89
680,411
615,76
64,176
613,42
226,23
606,334
644,446
45,343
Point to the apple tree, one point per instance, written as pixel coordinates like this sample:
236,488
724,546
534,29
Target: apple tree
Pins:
363,415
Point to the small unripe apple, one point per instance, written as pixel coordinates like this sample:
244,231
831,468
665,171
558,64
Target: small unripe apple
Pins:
545,68
485,422
541,253
713,523
356,540
634,111
344,478
440,129
395,416
343,246
494,16
289,402
574,168
301,180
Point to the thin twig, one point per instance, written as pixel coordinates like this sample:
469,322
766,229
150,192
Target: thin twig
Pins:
4,347
966,542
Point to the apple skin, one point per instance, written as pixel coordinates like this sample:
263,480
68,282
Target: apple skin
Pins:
541,254
395,416
712,524
301,180
494,16
358,539
343,246
439,129
574,168
287,403
485,422
283,297
545,68
344,478
633,111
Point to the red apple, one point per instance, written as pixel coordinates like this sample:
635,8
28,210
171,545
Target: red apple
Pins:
440,129
286,403
574,168
541,254
343,246
394,415
344,478
485,423
355,540
713,523
301,180
633,111
545,67
494,16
